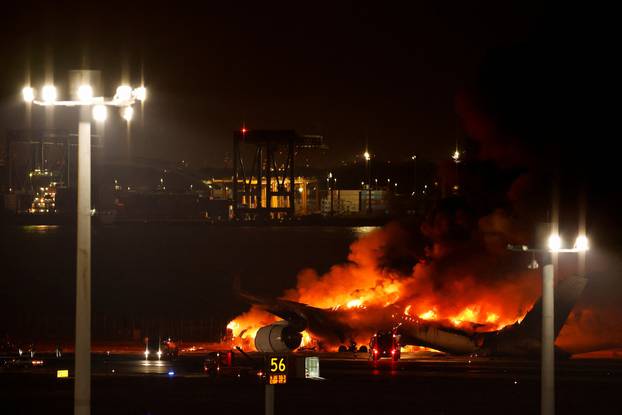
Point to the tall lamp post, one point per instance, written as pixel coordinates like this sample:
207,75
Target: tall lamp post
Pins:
367,157
414,159
456,157
330,178
124,98
547,370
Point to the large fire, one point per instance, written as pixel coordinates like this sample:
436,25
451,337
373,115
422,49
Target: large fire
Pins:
462,285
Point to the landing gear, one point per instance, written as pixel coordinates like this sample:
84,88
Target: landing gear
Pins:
351,348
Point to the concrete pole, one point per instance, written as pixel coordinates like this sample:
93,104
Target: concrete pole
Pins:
368,187
269,399
332,210
415,176
82,385
548,342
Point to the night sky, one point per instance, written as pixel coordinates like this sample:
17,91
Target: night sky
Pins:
385,73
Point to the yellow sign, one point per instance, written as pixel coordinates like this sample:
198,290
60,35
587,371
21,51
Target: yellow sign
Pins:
277,370
278,365
62,373
277,379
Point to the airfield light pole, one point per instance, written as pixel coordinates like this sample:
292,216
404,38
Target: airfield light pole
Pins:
367,157
414,159
547,369
269,399
124,98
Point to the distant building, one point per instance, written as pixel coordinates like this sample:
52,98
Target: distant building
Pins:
352,202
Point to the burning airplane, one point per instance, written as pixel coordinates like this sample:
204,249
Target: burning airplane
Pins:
464,297
345,325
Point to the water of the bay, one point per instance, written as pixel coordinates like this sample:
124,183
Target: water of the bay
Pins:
154,275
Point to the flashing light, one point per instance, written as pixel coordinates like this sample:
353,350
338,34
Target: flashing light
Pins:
28,93
140,93
367,155
85,93
124,93
244,130
146,354
49,94
375,351
100,112
582,244
554,243
171,373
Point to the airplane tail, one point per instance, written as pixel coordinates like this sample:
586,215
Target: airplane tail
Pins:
567,292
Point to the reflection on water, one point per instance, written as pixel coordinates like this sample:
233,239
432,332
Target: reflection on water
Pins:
174,278
360,231
40,228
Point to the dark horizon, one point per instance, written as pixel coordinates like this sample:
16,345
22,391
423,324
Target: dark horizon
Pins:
355,73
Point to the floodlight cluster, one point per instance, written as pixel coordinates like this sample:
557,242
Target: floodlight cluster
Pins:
555,244
124,97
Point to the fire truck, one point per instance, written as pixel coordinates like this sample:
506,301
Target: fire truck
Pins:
384,344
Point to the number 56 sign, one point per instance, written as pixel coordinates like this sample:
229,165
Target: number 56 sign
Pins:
276,369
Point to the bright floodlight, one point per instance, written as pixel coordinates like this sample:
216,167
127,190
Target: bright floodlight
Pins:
28,93
366,155
554,243
140,93
49,94
100,112
85,93
124,93
456,156
128,113
582,243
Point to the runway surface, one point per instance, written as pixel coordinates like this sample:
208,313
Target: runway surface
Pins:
422,384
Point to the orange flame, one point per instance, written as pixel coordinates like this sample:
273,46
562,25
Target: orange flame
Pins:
460,293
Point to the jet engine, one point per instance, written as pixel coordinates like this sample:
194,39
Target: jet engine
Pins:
279,337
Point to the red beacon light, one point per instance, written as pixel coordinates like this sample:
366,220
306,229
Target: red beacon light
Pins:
244,130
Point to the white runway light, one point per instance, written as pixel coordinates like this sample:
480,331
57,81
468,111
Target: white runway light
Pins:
140,93
582,244
100,112
127,113
85,93
124,93
28,93
49,94
554,243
